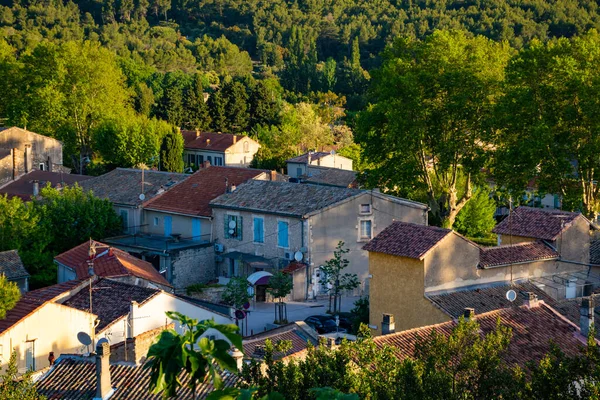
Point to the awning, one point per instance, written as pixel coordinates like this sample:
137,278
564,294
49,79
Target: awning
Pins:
259,278
251,259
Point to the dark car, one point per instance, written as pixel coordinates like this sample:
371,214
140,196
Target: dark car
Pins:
346,319
323,324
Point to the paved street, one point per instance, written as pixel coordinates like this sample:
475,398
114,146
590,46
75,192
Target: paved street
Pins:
262,314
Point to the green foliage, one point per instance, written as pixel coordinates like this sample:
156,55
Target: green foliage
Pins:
14,386
236,292
476,219
199,287
333,276
173,353
171,152
9,295
360,313
280,285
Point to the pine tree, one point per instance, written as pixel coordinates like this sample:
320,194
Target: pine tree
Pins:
196,110
171,154
216,110
264,108
236,111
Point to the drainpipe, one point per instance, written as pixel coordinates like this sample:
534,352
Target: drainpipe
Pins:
303,244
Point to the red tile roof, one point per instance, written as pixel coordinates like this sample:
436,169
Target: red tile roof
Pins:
209,140
109,262
74,378
536,223
293,267
292,332
407,240
23,187
33,300
532,332
192,196
517,253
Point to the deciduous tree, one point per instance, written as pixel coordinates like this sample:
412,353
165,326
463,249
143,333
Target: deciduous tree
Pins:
9,295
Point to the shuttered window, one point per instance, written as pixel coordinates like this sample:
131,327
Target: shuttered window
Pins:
282,234
233,227
259,230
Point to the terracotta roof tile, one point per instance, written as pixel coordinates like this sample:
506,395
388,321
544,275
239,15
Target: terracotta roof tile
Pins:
521,252
536,223
109,261
291,332
533,330
110,300
209,140
595,252
11,265
75,379
285,198
23,187
406,239
193,196
124,185
293,267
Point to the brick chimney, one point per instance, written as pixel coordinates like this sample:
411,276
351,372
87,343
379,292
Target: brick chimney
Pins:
103,387
238,356
586,315
206,164
273,176
531,300
234,139
388,325
197,133
309,157
469,313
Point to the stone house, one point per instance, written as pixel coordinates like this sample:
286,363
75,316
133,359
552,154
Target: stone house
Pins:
31,183
13,269
22,151
299,166
264,225
219,149
409,263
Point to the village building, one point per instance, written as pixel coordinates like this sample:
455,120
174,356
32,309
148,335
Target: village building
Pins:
219,149
29,185
261,226
13,269
300,166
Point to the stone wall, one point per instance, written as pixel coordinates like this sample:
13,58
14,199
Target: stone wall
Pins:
195,265
211,294
134,350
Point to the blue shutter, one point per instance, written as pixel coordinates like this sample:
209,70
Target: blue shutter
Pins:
259,233
262,230
239,228
196,229
168,226
282,234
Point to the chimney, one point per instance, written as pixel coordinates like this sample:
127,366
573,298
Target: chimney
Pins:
331,342
234,139
133,308
586,315
388,325
226,185
103,387
273,176
36,188
206,164
531,300
208,142
309,157
197,133
238,356
232,188
259,351
110,252
469,313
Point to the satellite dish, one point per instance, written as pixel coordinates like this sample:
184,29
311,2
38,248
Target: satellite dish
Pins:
232,224
511,295
142,196
298,256
102,341
231,231
84,338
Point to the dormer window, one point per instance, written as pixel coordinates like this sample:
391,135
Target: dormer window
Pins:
246,147
365,208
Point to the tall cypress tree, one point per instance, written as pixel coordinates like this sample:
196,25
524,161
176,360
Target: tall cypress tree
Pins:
171,152
237,106
216,110
196,110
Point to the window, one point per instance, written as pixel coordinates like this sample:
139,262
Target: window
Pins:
155,221
246,147
365,209
191,159
218,160
259,230
298,172
282,234
30,355
233,227
42,166
366,229
200,159
234,268
124,219
209,159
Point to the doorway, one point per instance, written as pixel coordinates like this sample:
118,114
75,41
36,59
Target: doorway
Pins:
261,293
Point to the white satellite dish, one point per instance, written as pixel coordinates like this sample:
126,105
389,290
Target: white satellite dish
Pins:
231,231
298,256
84,338
511,295
232,224
142,196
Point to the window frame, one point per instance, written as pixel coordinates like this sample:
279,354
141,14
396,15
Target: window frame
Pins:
362,238
360,209
239,226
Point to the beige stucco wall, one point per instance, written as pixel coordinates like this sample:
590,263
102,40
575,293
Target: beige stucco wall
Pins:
513,239
42,147
342,223
53,327
574,243
181,224
236,156
397,288
331,161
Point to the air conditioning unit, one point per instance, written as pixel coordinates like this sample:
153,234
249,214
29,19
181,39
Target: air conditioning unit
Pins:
219,248
218,259
259,252
289,255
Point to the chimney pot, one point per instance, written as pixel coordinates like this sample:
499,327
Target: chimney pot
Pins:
234,139
238,356
531,300
388,325
586,315
208,142
469,313
197,133
206,164
36,188
273,176
103,385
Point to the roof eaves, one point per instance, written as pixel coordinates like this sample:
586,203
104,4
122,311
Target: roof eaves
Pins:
249,209
399,200
492,266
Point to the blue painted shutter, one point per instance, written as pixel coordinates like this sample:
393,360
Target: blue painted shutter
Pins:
196,229
168,227
282,234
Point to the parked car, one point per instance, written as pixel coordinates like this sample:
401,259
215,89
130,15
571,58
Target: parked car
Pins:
346,319
323,324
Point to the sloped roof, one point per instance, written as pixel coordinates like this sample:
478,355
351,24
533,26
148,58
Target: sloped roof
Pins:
192,197
303,158
124,185
536,223
295,332
330,176
16,128
486,299
211,141
23,187
407,240
521,252
33,300
533,330
595,252
75,379
284,198
109,261
110,300
11,265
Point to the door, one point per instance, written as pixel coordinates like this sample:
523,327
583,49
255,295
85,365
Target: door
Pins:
30,355
196,229
168,225
261,292
125,220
